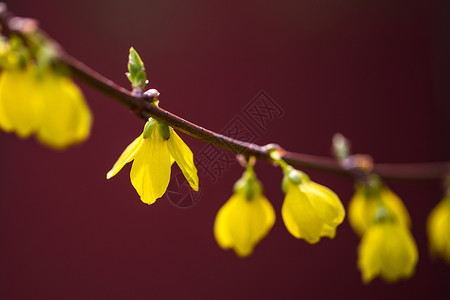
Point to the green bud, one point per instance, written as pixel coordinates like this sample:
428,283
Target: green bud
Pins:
149,127
163,130
136,70
341,146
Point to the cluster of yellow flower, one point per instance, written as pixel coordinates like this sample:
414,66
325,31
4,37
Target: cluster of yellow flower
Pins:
36,99
310,211
387,247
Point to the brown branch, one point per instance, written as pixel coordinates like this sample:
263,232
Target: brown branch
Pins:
140,105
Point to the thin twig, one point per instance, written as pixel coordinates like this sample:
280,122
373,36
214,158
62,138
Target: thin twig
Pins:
142,108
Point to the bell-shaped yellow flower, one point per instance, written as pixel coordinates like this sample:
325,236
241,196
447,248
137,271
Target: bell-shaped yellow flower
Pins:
366,200
387,249
153,153
310,211
48,105
245,218
438,227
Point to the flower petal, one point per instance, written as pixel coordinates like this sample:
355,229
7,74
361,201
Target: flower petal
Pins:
399,253
150,173
221,230
357,208
5,124
438,228
328,231
396,205
325,203
184,158
127,155
369,257
269,212
65,117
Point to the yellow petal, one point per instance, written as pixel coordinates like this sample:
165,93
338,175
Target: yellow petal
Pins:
184,158
65,117
221,231
328,231
358,212
325,202
269,212
150,173
369,257
20,108
395,205
438,228
299,216
127,155
399,255
5,124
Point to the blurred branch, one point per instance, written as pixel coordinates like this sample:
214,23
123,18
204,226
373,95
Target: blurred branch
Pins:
139,104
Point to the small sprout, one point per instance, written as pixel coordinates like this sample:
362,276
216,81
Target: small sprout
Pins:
136,71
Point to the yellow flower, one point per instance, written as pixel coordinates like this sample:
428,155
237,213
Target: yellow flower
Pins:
153,153
438,227
310,211
48,105
245,218
365,201
387,249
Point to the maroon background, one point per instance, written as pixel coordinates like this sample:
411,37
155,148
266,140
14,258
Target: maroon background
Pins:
376,71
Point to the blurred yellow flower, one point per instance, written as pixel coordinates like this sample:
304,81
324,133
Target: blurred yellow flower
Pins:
438,227
310,211
365,201
387,249
245,218
153,153
47,104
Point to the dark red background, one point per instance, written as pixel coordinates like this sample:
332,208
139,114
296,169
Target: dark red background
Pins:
376,71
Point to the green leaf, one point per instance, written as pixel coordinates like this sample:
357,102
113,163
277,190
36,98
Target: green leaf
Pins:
136,70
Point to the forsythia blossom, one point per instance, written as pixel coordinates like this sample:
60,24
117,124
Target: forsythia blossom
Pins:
245,218
42,102
438,227
310,211
153,153
387,249
365,201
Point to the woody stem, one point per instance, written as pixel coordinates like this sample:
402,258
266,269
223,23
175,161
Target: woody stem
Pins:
140,105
